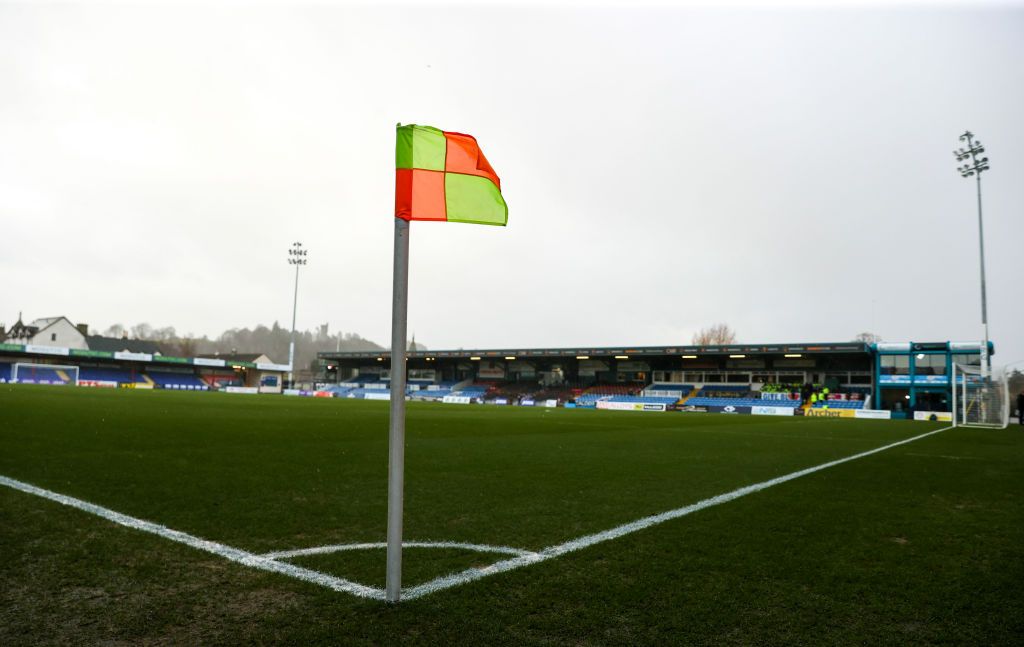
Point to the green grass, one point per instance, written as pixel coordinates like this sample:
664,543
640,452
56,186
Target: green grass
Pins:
920,544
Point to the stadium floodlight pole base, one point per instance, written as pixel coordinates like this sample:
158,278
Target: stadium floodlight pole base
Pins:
396,436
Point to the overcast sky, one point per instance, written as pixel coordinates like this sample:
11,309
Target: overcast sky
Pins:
782,169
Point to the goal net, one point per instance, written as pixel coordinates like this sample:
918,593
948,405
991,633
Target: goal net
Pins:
26,373
980,400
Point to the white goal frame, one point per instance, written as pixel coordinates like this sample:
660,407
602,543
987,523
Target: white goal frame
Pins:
980,398
56,367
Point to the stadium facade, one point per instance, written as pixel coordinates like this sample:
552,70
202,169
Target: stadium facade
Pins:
904,379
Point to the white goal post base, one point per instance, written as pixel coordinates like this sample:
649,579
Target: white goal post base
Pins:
980,399
25,373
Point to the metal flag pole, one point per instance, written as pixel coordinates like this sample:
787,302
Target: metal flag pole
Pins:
396,436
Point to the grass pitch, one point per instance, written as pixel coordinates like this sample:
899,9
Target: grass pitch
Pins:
921,543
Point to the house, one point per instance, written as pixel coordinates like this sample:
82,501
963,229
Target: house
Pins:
48,331
61,333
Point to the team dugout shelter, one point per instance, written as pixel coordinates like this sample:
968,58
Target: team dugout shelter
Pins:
901,378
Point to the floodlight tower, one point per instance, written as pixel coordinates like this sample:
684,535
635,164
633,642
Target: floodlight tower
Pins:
297,257
973,167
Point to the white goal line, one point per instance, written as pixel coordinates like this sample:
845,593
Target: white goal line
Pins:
269,562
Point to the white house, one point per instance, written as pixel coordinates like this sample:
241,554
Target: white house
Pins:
49,331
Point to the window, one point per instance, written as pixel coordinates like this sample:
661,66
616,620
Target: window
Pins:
967,359
895,364
53,336
930,364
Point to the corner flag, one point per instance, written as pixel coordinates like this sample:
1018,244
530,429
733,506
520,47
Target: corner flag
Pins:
444,176
438,176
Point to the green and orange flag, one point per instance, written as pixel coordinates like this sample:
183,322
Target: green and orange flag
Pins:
444,176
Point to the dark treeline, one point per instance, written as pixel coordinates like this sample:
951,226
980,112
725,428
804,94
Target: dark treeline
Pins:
272,341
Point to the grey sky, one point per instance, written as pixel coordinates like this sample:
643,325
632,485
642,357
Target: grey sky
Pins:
787,171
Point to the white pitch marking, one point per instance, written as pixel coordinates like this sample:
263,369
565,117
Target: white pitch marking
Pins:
335,548
952,458
263,562
233,554
472,574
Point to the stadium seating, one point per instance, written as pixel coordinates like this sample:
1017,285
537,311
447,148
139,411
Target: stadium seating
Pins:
183,381
840,404
434,394
513,390
338,390
682,388
5,372
221,380
644,399
107,375
472,391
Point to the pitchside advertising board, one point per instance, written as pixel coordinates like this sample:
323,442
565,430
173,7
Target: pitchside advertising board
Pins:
873,414
831,413
771,411
629,406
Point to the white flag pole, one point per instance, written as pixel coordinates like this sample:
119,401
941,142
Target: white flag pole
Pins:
396,437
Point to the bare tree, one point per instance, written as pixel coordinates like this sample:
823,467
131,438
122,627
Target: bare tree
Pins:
142,331
116,330
717,334
868,338
187,346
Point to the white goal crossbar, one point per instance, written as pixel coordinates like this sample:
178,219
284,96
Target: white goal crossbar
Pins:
980,399
25,372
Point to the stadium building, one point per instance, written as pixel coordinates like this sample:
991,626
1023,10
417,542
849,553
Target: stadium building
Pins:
909,379
53,350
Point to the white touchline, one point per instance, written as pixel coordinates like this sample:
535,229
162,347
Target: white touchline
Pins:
268,561
227,552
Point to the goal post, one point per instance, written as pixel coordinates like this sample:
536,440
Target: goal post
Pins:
29,373
980,399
